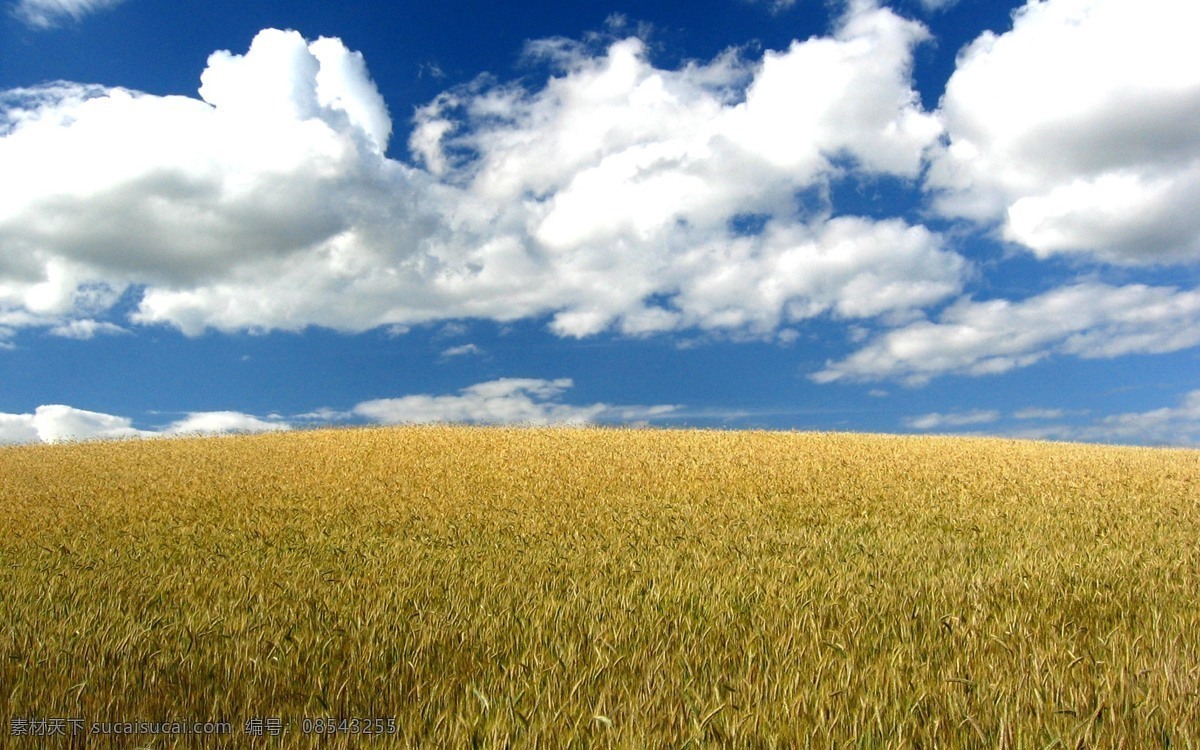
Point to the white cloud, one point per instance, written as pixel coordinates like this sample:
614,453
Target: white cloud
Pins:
325,414
955,419
108,187
221,422
604,198
504,401
851,267
1039,413
12,320
85,328
459,351
17,428
1171,426
1075,149
1089,320
778,5
929,5
1167,426
1178,425
452,329
45,14
54,423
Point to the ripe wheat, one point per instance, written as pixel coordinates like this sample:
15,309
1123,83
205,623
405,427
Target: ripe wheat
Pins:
605,588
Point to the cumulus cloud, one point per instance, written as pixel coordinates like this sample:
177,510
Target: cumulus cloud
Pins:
955,419
851,267
1088,319
1075,149
54,423
504,401
18,428
45,14
109,187
610,197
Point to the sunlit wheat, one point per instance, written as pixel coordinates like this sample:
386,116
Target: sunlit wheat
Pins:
607,588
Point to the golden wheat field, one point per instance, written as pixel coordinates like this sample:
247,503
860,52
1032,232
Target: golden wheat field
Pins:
560,587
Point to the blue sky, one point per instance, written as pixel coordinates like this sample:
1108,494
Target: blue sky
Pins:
918,216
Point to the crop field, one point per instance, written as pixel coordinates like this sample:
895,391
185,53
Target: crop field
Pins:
562,587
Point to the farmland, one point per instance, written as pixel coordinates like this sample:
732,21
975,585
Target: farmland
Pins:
604,588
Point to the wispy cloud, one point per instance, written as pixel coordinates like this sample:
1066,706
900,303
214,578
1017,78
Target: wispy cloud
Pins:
935,5
776,6
504,401
462,350
1033,412
1177,425
84,328
524,401
45,14
954,419
1171,425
